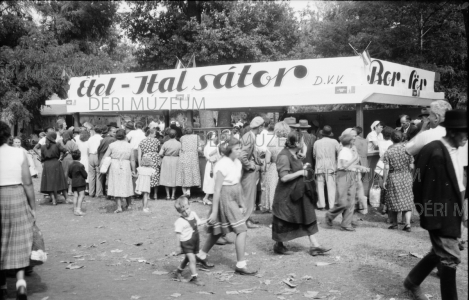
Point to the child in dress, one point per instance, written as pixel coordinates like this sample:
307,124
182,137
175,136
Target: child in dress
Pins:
143,181
78,175
188,238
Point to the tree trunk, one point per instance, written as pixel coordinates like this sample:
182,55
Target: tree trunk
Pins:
224,118
465,13
206,118
194,10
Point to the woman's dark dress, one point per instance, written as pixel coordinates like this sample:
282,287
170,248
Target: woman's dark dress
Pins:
53,177
293,208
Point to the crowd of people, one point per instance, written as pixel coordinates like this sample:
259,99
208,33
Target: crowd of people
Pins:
278,168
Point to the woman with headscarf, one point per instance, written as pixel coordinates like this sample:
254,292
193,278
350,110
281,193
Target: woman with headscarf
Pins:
277,144
150,146
188,172
170,153
375,136
212,155
17,214
69,144
293,209
53,177
121,170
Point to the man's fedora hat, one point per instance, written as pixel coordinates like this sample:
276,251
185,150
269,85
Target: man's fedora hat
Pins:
456,119
326,131
291,121
303,124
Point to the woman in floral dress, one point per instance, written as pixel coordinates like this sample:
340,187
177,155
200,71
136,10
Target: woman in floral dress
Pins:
151,147
398,165
188,172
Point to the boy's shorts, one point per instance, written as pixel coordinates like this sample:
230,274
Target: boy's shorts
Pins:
79,189
192,245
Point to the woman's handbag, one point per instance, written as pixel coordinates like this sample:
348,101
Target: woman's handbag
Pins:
38,254
380,168
105,165
375,194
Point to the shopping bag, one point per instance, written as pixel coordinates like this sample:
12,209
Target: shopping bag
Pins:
105,165
380,168
38,254
375,194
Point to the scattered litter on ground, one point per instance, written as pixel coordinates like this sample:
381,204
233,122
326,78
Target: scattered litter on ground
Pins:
205,293
416,255
306,277
160,273
176,295
310,294
73,267
288,282
138,244
232,293
136,297
116,251
322,264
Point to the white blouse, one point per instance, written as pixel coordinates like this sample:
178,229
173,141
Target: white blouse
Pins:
230,169
11,160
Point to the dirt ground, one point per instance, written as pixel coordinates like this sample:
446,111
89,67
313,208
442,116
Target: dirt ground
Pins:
119,254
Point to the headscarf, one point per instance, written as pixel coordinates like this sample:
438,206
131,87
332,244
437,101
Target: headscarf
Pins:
66,136
50,139
374,125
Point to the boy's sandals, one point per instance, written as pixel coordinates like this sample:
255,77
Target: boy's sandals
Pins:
168,198
146,210
119,210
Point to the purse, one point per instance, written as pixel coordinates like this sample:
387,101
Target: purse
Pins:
375,194
380,168
38,255
105,165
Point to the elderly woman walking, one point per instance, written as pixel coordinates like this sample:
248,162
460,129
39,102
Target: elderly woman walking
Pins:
53,177
17,213
293,209
274,147
398,165
121,170
188,172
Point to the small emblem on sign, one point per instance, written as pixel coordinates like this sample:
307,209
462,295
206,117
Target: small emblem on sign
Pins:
341,90
71,102
415,93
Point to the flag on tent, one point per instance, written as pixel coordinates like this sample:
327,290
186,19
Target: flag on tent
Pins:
193,60
365,55
179,64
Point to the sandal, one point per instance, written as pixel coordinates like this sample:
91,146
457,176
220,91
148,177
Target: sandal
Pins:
172,198
392,227
168,198
407,228
54,203
117,211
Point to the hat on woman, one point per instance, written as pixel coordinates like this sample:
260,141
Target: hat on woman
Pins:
326,131
424,112
374,125
290,121
303,124
130,126
256,122
456,119
112,124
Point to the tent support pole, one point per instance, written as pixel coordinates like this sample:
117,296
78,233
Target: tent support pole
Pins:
76,120
359,115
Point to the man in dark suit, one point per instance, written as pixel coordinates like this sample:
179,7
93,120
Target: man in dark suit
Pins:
438,195
409,130
251,166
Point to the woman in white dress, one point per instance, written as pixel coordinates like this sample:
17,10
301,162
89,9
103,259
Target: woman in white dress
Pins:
84,147
31,164
212,155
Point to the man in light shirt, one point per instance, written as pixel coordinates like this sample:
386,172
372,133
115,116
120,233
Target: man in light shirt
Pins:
438,110
95,186
136,136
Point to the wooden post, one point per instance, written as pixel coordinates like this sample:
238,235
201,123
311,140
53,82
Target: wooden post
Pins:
76,120
359,116
190,116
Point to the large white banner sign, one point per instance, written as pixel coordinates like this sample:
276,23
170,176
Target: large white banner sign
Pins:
299,82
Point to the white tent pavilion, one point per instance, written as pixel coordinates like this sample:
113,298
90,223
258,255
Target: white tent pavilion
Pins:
268,86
